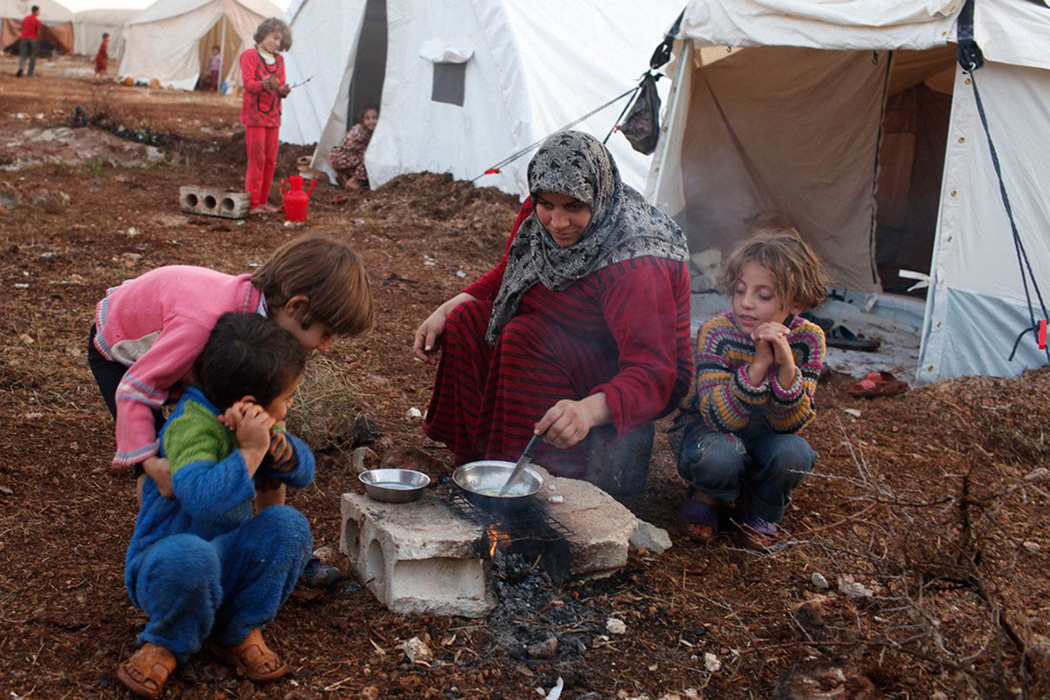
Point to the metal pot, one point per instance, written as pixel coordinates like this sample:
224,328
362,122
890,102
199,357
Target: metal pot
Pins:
394,485
481,482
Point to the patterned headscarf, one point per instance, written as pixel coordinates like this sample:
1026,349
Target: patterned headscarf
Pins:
623,225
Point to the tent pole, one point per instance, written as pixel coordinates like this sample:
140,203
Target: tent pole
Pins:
222,51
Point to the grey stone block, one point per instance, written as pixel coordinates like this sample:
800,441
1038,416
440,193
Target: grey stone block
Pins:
211,201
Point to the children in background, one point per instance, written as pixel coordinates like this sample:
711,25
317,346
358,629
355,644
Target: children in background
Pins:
149,331
756,371
201,565
348,158
214,67
102,56
262,69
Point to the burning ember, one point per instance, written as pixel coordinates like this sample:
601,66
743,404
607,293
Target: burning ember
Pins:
498,539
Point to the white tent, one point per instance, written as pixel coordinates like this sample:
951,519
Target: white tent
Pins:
463,84
853,121
171,40
56,19
90,25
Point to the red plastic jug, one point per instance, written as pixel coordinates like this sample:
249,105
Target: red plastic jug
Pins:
296,201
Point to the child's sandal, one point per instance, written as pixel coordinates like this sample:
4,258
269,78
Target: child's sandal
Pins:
252,658
699,520
145,671
757,533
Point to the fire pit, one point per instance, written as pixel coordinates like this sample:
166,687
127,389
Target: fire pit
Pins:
433,556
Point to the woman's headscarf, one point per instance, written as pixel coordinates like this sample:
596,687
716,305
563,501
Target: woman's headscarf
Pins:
623,225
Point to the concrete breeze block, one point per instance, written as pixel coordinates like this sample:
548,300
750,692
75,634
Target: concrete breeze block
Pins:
212,201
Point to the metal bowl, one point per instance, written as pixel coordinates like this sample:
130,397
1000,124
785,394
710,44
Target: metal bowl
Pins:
482,481
394,485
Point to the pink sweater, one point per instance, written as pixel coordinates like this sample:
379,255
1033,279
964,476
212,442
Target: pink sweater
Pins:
157,325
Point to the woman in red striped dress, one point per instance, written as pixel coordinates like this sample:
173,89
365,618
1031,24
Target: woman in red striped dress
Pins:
583,324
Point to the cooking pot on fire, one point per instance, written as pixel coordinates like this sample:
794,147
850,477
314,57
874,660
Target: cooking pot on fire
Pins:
481,482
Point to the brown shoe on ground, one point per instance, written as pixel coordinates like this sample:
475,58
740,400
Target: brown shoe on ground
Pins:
252,658
145,671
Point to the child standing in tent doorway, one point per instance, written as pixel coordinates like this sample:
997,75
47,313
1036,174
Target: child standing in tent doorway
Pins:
757,367
262,69
102,57
214,68
348,158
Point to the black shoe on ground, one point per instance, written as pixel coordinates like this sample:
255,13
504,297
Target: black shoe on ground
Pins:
19,73
319,575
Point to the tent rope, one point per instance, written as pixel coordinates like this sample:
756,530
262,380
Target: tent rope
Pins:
971,59
495,169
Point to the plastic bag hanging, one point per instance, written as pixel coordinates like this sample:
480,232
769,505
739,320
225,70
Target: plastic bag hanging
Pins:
641,125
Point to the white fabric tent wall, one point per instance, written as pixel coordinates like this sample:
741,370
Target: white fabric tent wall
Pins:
162,42
976,305
90,25
524,79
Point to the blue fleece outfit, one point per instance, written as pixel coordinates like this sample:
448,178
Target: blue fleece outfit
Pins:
200,564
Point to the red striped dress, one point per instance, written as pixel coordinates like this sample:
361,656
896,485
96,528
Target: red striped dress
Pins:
623,330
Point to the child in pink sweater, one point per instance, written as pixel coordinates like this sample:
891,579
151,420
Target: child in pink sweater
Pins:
149,331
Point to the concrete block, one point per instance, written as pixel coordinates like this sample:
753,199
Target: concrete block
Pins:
416,558
212,201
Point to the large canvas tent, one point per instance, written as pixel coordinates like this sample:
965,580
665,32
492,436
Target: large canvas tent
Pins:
171,40
90,25
463,84
57,23
853,121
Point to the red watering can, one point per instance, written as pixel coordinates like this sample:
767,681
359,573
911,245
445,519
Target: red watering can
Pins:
295,200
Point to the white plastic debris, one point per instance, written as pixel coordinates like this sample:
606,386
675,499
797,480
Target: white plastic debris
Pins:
711,662
460,274
556,690
414,414
132,232
21,285
615,626
557,499
853,412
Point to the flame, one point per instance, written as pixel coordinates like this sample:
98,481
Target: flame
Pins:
497,539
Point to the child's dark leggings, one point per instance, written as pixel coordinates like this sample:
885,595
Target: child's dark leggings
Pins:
759,464
108,375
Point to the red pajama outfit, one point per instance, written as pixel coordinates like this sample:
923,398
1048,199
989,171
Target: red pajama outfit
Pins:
261,116
623,330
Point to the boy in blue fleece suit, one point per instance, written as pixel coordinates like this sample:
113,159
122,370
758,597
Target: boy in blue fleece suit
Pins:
200,564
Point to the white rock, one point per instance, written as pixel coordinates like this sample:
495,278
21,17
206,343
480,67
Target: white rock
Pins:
556,499
417,651
650,537
853,412
711,662
818,580
414,414
1037,476
615,626
1032,547
852,589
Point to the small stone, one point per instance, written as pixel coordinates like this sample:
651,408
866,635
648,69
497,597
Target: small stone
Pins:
132,232
853,412
556,499
853,589
414,414
1032,547
649,537
545,649
615,626
362,459
1037,476
711,662
818,580
417,651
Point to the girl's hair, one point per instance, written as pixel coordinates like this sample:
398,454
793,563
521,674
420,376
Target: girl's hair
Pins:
797,275
370,105
329,274
248,354
274,24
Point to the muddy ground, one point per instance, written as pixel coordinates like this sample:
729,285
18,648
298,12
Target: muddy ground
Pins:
926,516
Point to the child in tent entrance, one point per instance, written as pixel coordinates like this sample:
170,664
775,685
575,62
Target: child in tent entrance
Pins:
756,371
202,565
262,69
102,57
214,68
348,158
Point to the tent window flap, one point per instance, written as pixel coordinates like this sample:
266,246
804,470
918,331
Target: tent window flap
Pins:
449,83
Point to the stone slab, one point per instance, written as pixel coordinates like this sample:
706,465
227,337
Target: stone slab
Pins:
213,201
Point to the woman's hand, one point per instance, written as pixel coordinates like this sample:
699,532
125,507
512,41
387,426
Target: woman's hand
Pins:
568,422
426,343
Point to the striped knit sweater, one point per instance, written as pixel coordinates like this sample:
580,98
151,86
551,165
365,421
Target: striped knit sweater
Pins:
722,393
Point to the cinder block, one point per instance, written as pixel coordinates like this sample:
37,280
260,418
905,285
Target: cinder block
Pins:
211,201
415,558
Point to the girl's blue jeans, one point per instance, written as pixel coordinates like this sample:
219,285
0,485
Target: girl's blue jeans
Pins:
757,463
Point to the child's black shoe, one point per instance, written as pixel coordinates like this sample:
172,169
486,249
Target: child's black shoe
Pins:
317,574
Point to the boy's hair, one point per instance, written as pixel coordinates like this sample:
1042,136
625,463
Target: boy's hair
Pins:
105,35
798,277
213,48
34,9
274,24
329,274
248,354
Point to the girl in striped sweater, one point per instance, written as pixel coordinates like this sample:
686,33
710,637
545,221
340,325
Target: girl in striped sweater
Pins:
756,371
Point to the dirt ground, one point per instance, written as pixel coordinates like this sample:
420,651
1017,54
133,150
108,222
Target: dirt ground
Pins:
914,562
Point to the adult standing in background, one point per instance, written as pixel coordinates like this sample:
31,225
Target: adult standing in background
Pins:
29,41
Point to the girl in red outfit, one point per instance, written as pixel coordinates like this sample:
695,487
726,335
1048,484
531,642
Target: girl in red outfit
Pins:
102,57
262,69
584,324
